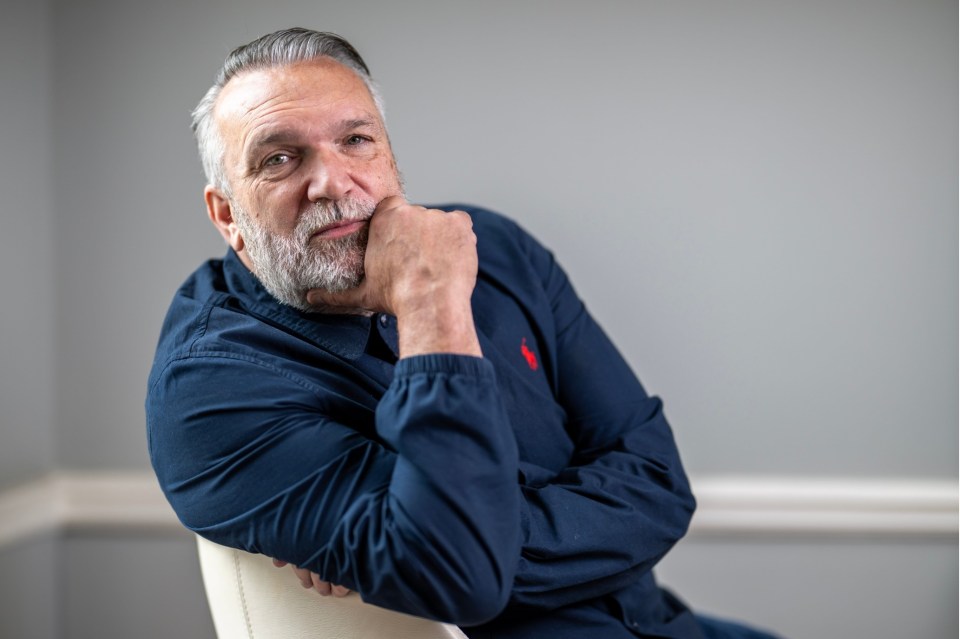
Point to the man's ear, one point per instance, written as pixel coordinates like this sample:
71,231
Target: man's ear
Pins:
221,214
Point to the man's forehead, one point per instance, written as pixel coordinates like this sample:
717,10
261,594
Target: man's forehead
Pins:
322,79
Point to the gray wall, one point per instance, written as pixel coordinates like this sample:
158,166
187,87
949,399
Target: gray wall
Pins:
31,574
29,594
28,335
757,199
822,588
99,571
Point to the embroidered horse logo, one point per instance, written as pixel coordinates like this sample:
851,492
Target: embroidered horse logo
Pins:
528,355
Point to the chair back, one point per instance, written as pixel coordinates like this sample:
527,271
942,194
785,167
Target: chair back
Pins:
250,598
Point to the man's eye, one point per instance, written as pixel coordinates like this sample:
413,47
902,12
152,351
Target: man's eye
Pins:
354,140
277,160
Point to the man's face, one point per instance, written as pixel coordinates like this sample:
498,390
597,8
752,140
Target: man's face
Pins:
308,160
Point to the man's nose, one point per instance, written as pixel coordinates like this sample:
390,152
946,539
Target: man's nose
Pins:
329,177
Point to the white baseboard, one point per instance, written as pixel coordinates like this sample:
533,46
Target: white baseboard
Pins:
736,506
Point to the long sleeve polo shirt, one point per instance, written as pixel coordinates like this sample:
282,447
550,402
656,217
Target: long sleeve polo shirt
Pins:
524,494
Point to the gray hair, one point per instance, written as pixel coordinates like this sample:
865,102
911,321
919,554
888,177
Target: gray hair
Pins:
277,49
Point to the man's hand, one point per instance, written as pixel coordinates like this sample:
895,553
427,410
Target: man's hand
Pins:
312,580
421,266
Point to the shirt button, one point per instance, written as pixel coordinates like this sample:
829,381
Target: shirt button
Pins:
383,319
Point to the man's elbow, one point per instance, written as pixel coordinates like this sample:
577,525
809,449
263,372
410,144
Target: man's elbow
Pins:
477,600
465,588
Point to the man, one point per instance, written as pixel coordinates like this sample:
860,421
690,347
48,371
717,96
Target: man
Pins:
405,402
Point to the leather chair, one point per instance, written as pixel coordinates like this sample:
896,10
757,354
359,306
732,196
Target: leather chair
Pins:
252,599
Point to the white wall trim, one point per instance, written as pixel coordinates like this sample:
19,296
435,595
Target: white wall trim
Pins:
115,500
769,506
831,506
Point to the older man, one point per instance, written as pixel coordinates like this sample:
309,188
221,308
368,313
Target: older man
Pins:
410,403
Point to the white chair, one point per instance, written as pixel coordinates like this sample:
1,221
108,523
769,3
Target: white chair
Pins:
252,599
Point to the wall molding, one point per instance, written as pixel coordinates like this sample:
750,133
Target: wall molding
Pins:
775,507
95,501
856,507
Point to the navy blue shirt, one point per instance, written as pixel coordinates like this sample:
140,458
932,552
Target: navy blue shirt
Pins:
527,493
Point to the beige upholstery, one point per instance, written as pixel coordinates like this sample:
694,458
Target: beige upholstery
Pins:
251,599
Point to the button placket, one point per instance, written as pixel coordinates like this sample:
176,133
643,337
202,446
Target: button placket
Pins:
388,332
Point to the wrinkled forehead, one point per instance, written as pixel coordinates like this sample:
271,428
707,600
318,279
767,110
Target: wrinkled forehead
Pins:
314,84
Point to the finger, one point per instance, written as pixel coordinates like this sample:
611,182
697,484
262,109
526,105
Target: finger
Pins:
279,563
340,591
390,202
303,575
321,586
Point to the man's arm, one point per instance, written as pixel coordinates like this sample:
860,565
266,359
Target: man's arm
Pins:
422,518
624,500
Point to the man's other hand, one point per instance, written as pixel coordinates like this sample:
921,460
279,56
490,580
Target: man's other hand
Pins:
312,580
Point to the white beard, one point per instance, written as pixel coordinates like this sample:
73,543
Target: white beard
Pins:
289,266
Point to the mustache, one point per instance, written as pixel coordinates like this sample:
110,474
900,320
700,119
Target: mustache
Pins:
324,213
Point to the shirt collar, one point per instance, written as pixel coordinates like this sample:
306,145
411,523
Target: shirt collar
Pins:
344,335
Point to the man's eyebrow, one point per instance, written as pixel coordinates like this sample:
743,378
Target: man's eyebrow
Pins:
282,136
358,123
287,136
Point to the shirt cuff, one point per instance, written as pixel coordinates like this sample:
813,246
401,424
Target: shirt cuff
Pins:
445,363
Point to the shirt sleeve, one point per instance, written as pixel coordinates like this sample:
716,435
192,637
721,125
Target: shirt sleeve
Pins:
423,518
624,500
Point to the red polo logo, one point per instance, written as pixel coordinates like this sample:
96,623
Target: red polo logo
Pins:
528,355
